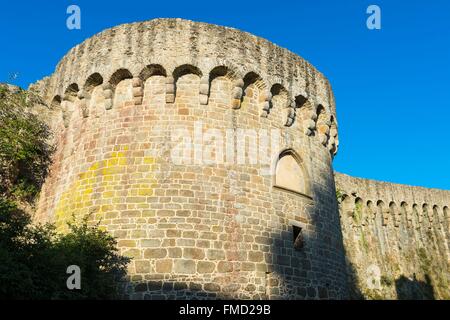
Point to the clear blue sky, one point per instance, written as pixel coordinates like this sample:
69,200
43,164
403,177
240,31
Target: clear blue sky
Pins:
392,86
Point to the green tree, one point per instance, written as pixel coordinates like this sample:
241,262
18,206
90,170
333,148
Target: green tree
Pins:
35,259
25,151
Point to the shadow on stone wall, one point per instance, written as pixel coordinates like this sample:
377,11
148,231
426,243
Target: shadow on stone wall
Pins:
291,275
354,290
414,289
405,288
288,277
172,290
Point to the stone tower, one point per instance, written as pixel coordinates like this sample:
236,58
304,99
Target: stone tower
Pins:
207,152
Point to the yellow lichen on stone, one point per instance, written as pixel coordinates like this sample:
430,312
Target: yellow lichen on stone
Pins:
104,179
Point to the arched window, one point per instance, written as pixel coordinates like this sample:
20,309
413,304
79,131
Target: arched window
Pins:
121,83
394,214
435,216
382,212
290,173
405,212
347,206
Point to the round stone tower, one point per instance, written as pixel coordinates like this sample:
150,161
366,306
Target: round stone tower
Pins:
207,152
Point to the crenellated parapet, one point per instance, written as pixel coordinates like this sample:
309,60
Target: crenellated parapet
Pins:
395,203
172,48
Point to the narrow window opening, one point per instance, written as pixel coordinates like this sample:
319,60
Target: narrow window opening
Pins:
297,238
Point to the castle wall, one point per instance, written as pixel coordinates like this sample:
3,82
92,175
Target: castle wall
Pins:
396,239
197,229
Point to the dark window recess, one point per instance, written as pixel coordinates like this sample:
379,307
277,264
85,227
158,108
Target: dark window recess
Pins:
298,238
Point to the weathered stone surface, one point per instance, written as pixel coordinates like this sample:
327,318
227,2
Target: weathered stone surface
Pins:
142,266
193,253
255,256
402,224
211,287
150,243
164,266
132,253
225,266
180,286
182,266
126,243
205,267
155,253
154,285
141,287
215,254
